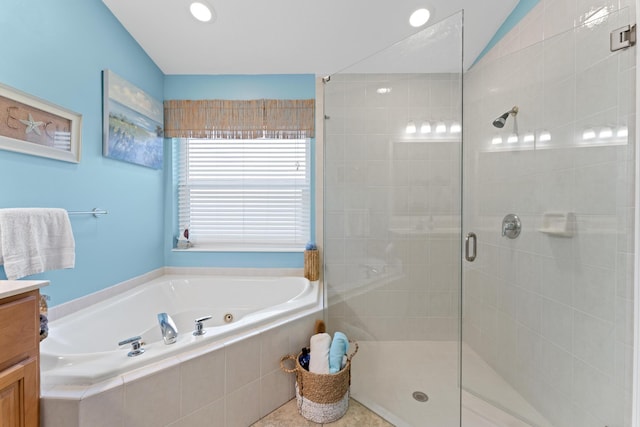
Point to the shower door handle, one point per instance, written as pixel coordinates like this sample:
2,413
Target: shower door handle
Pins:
467,253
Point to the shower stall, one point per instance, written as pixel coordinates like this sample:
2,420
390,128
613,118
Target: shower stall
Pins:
486,271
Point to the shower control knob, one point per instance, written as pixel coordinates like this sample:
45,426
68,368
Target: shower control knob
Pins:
511,226
199,326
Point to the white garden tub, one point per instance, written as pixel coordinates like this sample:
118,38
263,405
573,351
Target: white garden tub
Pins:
82,347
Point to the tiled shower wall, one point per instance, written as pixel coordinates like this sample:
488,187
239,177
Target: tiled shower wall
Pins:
392,203
553,314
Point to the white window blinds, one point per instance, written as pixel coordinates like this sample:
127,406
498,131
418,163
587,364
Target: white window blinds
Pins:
244,194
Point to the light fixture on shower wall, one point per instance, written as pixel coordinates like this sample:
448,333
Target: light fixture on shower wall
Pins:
605,132
622,132
588,134
603,135
434,130
544,136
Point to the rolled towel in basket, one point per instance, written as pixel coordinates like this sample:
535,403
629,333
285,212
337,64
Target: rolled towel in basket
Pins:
338,349
320,345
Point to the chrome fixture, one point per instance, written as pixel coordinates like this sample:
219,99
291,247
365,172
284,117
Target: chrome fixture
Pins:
168,328
511,226
136,344
199,327
500,121
471,237
623,37
95,212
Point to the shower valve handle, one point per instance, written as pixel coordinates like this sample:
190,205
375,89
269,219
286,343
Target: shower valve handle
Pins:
199,326
136,345
133,341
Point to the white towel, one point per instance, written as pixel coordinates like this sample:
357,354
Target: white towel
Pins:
319,353
33,240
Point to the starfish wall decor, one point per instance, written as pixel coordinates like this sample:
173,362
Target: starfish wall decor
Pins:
32,126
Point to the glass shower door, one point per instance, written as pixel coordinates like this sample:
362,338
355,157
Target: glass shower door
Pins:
392,192
547,314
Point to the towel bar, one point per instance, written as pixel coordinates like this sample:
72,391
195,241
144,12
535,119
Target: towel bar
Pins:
95,212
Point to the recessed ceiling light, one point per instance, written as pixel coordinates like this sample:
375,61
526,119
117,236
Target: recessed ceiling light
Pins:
201,11
419,17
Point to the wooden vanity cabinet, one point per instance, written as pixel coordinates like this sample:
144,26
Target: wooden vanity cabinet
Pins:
19,366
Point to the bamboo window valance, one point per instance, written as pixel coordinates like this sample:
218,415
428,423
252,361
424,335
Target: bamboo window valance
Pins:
259,118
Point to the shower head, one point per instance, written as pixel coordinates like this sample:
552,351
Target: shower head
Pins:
500,121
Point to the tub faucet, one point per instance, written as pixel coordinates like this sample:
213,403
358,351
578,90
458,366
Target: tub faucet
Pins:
168,328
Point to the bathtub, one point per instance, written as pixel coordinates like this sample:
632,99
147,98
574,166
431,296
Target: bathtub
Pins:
82,347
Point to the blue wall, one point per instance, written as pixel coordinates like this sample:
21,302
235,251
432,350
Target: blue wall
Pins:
520,11
234,87
56,50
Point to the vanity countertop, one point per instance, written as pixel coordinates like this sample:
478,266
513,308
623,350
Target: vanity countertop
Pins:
10,288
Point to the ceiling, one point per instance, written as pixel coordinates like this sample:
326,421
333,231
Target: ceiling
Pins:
294,36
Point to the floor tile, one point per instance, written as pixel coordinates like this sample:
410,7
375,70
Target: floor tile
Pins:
288,416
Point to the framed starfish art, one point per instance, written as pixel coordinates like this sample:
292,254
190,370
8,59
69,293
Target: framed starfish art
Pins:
33,126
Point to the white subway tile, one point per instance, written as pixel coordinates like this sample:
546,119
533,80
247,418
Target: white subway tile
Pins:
593,342
557,324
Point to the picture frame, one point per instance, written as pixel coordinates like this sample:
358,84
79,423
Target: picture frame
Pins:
132,123
31,125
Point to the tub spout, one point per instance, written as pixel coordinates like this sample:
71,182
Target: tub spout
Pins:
168,328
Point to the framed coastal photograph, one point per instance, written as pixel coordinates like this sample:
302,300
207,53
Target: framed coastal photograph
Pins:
132,123
34,126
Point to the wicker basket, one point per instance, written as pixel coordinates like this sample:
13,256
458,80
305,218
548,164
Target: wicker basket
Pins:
321,398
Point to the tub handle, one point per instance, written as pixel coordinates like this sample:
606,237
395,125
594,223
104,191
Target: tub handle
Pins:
136,344
199,326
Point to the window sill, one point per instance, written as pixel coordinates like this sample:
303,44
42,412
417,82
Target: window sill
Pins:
233,248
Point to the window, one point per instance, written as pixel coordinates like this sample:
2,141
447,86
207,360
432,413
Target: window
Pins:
244,194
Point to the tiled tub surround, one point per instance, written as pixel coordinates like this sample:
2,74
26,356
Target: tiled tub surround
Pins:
229,382
553,315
